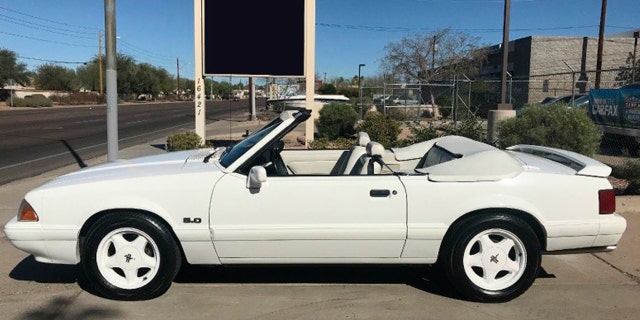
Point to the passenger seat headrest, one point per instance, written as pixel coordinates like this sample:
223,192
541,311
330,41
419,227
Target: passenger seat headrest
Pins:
375,149
363,139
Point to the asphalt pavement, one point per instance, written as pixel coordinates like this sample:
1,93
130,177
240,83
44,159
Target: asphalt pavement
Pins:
583,286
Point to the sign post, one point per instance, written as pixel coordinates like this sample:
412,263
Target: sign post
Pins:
200,100
288,53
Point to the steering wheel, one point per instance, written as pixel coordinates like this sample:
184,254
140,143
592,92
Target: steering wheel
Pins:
276,159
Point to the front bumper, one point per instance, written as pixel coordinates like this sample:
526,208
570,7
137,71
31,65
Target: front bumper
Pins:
49,245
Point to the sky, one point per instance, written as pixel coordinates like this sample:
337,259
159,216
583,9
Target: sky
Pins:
348,32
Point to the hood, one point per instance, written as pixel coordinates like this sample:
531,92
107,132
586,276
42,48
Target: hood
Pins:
157,165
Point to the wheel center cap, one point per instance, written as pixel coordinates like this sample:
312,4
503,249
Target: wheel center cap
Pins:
494,258
128,258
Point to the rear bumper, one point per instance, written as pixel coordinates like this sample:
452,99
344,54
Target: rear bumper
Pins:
610,228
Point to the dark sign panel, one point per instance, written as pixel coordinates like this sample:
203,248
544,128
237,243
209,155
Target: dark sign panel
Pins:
615,107
254,37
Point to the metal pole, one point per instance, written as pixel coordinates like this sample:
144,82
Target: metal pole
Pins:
112,80
252,97
360,88
11,91
573,81
100,62
178,76
505,55
635,47
603,14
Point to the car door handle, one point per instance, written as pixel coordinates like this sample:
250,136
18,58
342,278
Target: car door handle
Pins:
376,193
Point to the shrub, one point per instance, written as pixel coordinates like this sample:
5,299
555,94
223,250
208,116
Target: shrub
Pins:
184,141
382,129
77,98
551,126
419,133
336,120
629,171
324,143
470,127
33,101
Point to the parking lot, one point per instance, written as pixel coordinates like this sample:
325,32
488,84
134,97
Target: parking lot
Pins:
584,286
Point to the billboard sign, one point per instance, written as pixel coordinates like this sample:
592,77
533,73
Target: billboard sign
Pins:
254,38
615,107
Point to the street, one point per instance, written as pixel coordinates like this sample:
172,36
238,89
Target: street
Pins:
33,141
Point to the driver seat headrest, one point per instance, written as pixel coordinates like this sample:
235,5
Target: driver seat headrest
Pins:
375,149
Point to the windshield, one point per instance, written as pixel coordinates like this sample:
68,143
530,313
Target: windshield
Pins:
243,146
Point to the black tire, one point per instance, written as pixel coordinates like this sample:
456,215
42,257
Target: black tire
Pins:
473,257
130,256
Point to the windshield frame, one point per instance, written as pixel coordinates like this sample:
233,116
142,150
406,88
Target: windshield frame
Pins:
239,149
261,139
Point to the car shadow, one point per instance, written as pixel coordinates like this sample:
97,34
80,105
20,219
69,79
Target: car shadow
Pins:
425,278
429,279
31,270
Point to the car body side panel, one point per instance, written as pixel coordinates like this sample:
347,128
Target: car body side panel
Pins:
170,197
433,206
309,217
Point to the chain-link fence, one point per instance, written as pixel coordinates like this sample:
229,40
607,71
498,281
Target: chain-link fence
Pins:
459,98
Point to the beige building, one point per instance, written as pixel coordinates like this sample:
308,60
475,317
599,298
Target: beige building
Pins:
542,66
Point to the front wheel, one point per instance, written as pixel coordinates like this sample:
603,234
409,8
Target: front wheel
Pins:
491,258
130,256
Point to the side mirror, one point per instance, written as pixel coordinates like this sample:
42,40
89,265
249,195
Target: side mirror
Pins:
257,176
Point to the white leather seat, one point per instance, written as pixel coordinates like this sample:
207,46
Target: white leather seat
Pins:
365,165
355,153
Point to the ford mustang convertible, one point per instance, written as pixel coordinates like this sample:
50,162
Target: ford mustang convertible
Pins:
482,215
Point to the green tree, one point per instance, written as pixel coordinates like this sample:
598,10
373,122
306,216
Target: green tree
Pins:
54,77
126,68
10,68
627,73
88,75
381,128
336,120
327,88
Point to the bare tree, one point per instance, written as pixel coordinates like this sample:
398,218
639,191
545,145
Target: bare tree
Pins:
436,56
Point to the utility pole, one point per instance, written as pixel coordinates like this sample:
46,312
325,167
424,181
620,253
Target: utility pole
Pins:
112,80
100,61
505,57
178,76
635,49
504,110
603,14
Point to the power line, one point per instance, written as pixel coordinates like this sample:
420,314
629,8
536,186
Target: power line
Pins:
47,20
45,40
144,51
42,29
53,61
472,30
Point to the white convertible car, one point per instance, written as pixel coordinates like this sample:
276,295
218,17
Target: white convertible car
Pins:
482,214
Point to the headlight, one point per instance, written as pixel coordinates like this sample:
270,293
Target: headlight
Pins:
26,213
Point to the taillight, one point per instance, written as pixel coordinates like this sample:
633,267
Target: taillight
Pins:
26,213
607,201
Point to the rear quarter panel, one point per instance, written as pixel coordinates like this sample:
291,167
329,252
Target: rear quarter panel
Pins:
565,205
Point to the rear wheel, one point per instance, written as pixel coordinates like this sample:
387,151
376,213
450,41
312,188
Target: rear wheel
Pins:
491,258
130,256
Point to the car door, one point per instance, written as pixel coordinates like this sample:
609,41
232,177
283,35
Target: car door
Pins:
309,218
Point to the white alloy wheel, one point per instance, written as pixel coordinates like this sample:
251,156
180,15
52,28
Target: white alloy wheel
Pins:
495,259
128,258
491,257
